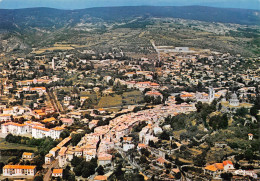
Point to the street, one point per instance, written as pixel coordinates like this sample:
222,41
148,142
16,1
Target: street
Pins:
49,172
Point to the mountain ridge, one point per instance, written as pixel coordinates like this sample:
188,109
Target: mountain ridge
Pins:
43,17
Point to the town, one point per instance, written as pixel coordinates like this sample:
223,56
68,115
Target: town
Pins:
187,113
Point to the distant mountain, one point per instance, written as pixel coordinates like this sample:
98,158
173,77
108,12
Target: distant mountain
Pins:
48,18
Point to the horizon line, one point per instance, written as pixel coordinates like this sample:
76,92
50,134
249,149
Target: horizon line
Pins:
128,6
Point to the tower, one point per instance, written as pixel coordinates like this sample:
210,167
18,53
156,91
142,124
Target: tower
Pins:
53,64
1,88
211,94
250,136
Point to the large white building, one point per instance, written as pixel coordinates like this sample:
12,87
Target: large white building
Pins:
19,170
234,101
36,129
5,117
14,128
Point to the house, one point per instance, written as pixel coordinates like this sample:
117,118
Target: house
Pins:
19,170
48,158
143,85
154,94
55,132
228,165
66,121
141,145
57,172
107,78
127,139
38,113
220,145
250,136
100,178
186,95
83,99
76,115
67,98
40,90
27,156
93,123
75,150
149,77
157,130
54,151
62,157
89,154
218,168
161,161
250,173
128,146
130,74
104,159
49,120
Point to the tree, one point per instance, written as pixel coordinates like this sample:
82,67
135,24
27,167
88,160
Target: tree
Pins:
253,111
139,177
241,112
71,177
219,106
200,160
111,82
66,173
100,170
78,170
38,178
249,154
178,175
136,109
85,172
1,166
179,100
75,161
226,176
42,67
199,106
143,159
64,134
151,143
75,139
199,87
164,135
237,165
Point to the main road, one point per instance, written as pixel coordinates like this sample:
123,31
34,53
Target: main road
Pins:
48,173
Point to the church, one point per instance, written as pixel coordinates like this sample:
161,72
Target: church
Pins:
204,97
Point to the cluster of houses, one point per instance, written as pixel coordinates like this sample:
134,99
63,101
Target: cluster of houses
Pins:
227,166
105,138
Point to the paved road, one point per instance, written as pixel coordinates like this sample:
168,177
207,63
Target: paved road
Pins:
48,174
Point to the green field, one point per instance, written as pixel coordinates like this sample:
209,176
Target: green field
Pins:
132,97
5,146
110,101
127,98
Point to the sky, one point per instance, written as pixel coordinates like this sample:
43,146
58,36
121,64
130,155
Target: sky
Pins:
81,4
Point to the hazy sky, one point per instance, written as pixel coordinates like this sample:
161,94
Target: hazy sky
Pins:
80,4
